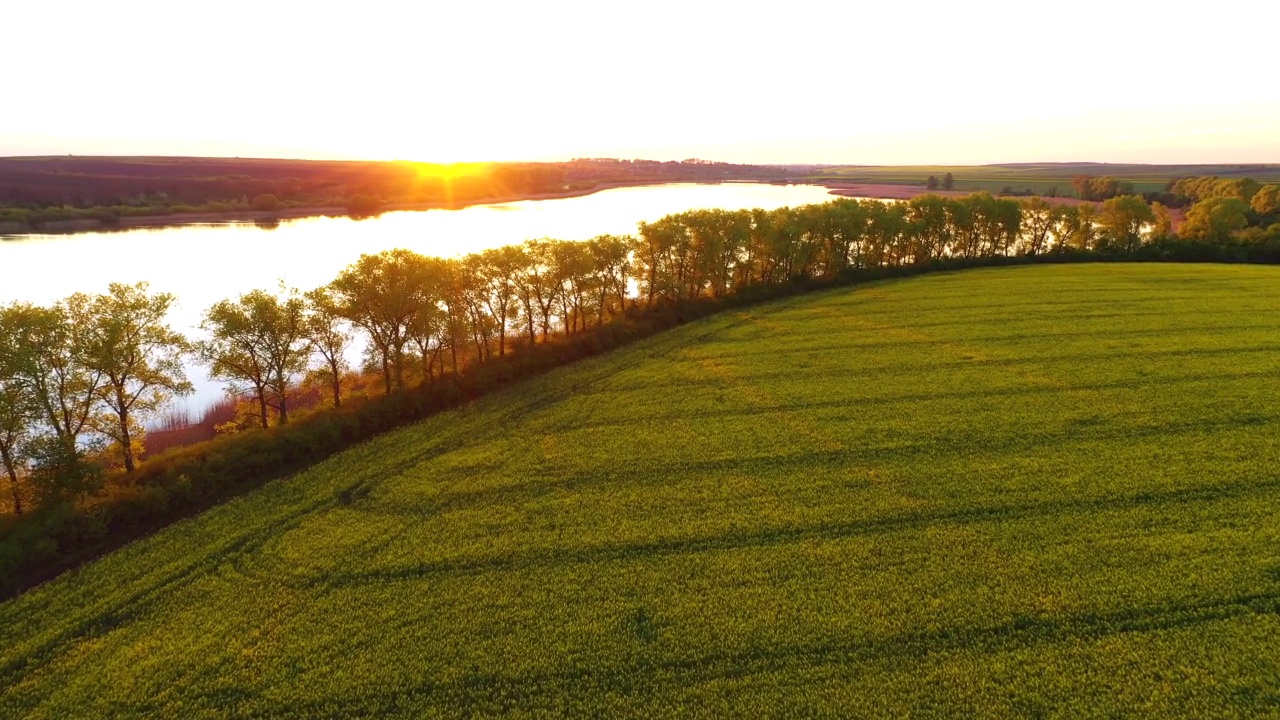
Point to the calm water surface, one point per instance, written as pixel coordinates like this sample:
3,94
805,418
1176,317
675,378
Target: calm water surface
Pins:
202,264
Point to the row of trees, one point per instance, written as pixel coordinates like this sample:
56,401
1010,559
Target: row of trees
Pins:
1226,209
948,182
76,380
89,370
1088,187
420,317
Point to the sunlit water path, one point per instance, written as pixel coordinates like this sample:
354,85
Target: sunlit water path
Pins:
202,264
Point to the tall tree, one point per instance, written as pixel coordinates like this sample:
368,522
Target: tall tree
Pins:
48,358
19,411
126,340
1037,224
18,414
260,341
948,181
611,265
329,336
1216,218
1122,221
1266,201
497,271
381,294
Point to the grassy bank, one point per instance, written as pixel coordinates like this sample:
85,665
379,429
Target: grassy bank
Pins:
990,493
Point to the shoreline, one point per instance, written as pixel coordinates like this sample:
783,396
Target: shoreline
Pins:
85,225
885,191
877,191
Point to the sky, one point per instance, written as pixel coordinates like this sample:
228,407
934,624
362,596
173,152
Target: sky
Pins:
776,82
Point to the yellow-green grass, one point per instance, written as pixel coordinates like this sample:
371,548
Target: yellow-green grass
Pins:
1042,177
994,493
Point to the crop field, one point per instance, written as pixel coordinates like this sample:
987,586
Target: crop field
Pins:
1041,177
996,493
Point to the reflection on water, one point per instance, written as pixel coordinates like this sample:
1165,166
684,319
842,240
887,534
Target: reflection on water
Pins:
204,263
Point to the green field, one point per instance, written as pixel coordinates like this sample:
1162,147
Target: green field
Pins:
1040,177
994,493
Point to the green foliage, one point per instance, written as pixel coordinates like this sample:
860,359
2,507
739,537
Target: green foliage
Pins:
1122,220
1215,218
1100,188
265,202
1042,177
997,493
364,205
60,472
125,339
258,342
1266,201
1205,188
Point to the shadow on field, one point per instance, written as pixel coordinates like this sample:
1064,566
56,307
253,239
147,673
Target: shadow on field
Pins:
522,561
486,692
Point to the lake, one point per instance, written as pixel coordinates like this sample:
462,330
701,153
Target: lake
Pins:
204,263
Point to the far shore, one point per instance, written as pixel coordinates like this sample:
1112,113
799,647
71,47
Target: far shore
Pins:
879,191
63,227
907,192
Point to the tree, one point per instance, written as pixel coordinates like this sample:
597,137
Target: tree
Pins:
329,336
45,355
265,203
1122,220
1162,225
430,329
19,413
948,181
259,340
611,265
1214,219
1038,219
382,294
1075,228
62,472
17,416
125,340
497,271
932,182
1266,201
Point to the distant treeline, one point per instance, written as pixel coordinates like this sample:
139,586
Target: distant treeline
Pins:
39,190
77,378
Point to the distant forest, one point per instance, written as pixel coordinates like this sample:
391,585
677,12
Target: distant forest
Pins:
42,189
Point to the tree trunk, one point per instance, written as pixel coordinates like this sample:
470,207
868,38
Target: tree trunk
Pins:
125,439
284,409
13,480
337,383
262,407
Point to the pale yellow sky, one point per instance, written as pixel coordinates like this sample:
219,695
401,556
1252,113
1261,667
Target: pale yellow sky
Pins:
796,81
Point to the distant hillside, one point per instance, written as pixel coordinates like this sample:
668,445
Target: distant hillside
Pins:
993,493
1043,178
105,181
